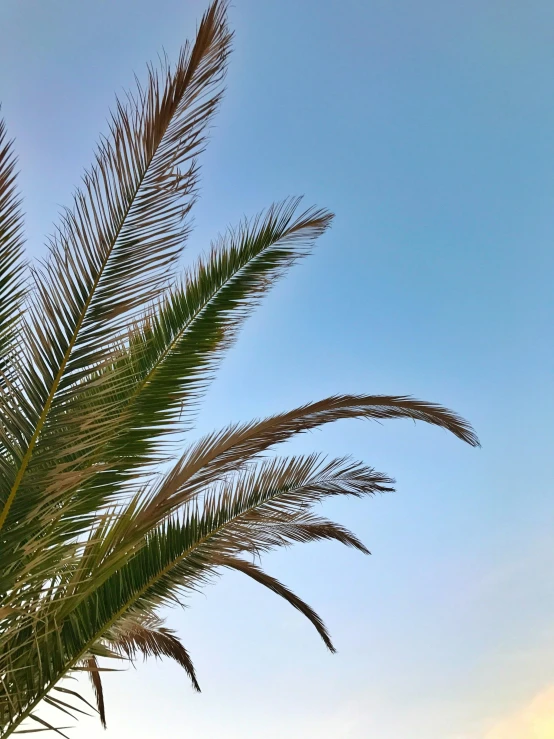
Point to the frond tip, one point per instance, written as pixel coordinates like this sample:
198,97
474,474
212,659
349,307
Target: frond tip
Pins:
261,577
147,636
91,666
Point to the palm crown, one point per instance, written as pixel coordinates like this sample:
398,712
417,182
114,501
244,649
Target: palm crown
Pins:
104,352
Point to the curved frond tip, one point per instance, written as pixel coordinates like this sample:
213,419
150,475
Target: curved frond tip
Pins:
261,577
135,635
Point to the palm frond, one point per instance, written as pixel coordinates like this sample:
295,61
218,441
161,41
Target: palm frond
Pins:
253,513
148,636
12,264
223,452
175,350
261,577
115,249
171,358
13,288
178,346
91,666
177,557
296,528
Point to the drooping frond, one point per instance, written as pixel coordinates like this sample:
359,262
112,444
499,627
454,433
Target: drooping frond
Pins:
218,454
245,515
262,508
146,635
296,528
91,666
261,577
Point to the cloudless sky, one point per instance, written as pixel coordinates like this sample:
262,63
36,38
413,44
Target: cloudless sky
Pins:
428,128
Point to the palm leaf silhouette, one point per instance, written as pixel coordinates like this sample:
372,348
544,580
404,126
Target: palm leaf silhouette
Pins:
106,349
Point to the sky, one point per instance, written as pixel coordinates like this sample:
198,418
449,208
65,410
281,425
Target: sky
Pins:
428,128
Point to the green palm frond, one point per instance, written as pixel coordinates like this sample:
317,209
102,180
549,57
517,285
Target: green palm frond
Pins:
184,341
186,551
114,251
254,512
175,349
103,356
12,265
13,289
178,347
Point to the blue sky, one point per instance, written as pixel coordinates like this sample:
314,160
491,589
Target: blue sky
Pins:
428,128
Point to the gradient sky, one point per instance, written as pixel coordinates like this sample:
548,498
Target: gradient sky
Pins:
428,127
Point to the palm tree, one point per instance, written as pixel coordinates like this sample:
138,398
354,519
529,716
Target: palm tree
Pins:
105,352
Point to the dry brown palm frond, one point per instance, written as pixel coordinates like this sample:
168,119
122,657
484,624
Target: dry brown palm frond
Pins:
146,635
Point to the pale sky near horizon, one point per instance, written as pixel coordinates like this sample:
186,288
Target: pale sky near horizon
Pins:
428,128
